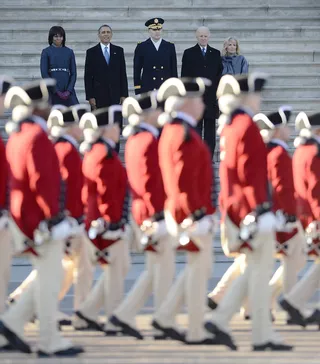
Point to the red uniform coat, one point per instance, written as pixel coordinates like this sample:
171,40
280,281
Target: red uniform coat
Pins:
105,187
186,168
34,177
280,176
3,176
243,168
71,174
144,176
306,176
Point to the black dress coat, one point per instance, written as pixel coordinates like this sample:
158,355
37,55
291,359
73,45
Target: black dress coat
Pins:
107,83
194,64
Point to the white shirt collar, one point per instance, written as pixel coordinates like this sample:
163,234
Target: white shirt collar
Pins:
71,139
281,143
186,117
40,121
153,130
156,44
103,46
201,47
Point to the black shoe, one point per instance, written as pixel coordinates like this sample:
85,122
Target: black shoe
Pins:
126,329
6,348
207,341
314,318
93,325
65,322
160,337
211,303
170,332
221,337
295,315
113,332
270,346
247,317
68,353
14,340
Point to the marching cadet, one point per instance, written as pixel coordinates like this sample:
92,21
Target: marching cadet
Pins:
145,180
306,176
186,170
248,225
38,225
65,131
155,59
275,132
105,195
5,242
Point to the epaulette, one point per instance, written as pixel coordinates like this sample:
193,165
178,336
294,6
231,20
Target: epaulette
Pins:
139,42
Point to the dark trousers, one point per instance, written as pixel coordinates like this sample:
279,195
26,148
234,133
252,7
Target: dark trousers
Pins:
207,130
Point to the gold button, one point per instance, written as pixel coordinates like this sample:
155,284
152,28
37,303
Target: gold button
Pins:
161,78
162,67
154,67
154,78
154,89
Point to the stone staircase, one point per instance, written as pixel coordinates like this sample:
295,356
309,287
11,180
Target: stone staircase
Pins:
277,36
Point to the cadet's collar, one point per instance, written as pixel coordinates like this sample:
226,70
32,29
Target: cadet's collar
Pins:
281,143
110,142
71,139
153,130
246,110
40,121
186,117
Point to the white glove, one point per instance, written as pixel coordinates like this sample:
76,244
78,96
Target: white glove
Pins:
62,230
267,222
282,225
97,227
201,227
160,230
113,234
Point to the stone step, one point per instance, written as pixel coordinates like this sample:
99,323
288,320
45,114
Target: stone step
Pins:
32,32
290,69
246,45
173,22
32,56
166,12
282,80
164,3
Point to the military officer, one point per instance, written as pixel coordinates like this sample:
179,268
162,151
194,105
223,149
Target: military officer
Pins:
248,225
105,196
186,170
5,243
275,132
38,225
306,176
145,180
154,60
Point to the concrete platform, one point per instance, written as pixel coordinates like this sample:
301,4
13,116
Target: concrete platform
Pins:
124,350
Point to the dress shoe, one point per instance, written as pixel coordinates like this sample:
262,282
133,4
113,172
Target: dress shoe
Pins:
207,341
126,329
7,347
67,353
65,322
93,325
170,332
270,346
221,337
314,318
211,303
14,340
295,315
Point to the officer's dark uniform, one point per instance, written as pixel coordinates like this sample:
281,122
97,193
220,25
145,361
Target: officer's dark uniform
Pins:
151,67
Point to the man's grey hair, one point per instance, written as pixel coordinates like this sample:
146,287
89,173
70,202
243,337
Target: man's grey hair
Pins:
203,28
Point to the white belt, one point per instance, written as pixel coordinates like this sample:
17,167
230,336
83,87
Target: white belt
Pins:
59,69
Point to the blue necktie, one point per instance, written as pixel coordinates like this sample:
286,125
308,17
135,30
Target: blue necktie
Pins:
106,54
203,52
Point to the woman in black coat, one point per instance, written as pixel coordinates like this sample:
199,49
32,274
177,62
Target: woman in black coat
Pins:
58,62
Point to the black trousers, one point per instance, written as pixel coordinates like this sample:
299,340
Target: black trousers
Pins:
207,130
